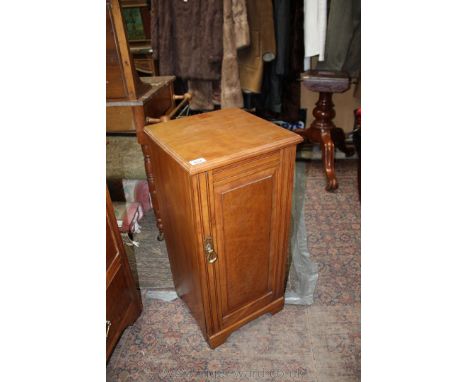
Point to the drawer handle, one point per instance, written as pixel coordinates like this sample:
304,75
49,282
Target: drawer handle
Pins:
211,255
108,325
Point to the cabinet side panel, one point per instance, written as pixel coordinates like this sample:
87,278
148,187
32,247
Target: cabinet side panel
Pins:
174,187
288,155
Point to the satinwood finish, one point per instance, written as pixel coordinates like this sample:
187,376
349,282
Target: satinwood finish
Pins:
123,300
225,178
322,130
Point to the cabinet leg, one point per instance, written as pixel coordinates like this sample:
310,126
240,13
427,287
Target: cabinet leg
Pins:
218,340
152,189
277,309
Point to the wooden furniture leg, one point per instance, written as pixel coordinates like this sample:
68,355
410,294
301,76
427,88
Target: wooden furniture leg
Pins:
141,121
152,190
147,155
322,130
143,141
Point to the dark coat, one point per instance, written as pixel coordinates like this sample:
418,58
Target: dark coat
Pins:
187,38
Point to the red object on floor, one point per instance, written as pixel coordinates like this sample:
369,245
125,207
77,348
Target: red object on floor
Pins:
128,215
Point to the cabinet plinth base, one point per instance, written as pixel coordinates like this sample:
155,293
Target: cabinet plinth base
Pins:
219,338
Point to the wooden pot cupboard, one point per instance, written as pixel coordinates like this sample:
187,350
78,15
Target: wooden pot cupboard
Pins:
224,190
123,300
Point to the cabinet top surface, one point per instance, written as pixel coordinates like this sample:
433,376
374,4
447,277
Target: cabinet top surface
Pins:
209,140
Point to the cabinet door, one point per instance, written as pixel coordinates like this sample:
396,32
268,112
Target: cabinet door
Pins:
123,301
245,215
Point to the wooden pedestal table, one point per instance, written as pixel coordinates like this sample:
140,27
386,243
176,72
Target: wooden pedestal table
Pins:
224,185
322,130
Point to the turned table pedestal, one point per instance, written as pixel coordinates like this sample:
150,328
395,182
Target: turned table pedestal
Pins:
322,130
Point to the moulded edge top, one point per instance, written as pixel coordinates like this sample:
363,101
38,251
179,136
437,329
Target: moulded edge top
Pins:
290,139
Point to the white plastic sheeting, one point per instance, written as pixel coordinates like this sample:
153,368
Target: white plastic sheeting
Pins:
303,273
164,295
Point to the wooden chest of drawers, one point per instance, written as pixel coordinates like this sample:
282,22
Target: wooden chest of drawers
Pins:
224,183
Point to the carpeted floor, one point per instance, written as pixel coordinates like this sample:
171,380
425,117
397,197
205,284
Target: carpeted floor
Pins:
150,259
301,343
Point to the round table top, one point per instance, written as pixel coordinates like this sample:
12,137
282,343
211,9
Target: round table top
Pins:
326,81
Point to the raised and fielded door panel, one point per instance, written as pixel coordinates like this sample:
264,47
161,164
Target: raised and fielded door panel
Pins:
245,204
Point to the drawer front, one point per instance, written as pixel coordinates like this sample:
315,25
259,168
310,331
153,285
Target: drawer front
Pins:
119,118
145,65
245,201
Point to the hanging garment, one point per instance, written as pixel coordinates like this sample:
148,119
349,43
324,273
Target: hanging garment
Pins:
262,45
315,29
280,96
187,41
291,92
202,95
282,14
187,38
343,45
235,36
274,73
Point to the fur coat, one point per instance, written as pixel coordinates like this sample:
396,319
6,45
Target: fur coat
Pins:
198,41
187,38
235,36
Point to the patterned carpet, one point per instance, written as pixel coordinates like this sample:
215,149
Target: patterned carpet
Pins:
301,343
150,260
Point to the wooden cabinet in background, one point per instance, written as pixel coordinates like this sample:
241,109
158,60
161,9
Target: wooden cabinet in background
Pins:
137,16
225,183
122,83
129,99
123,300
